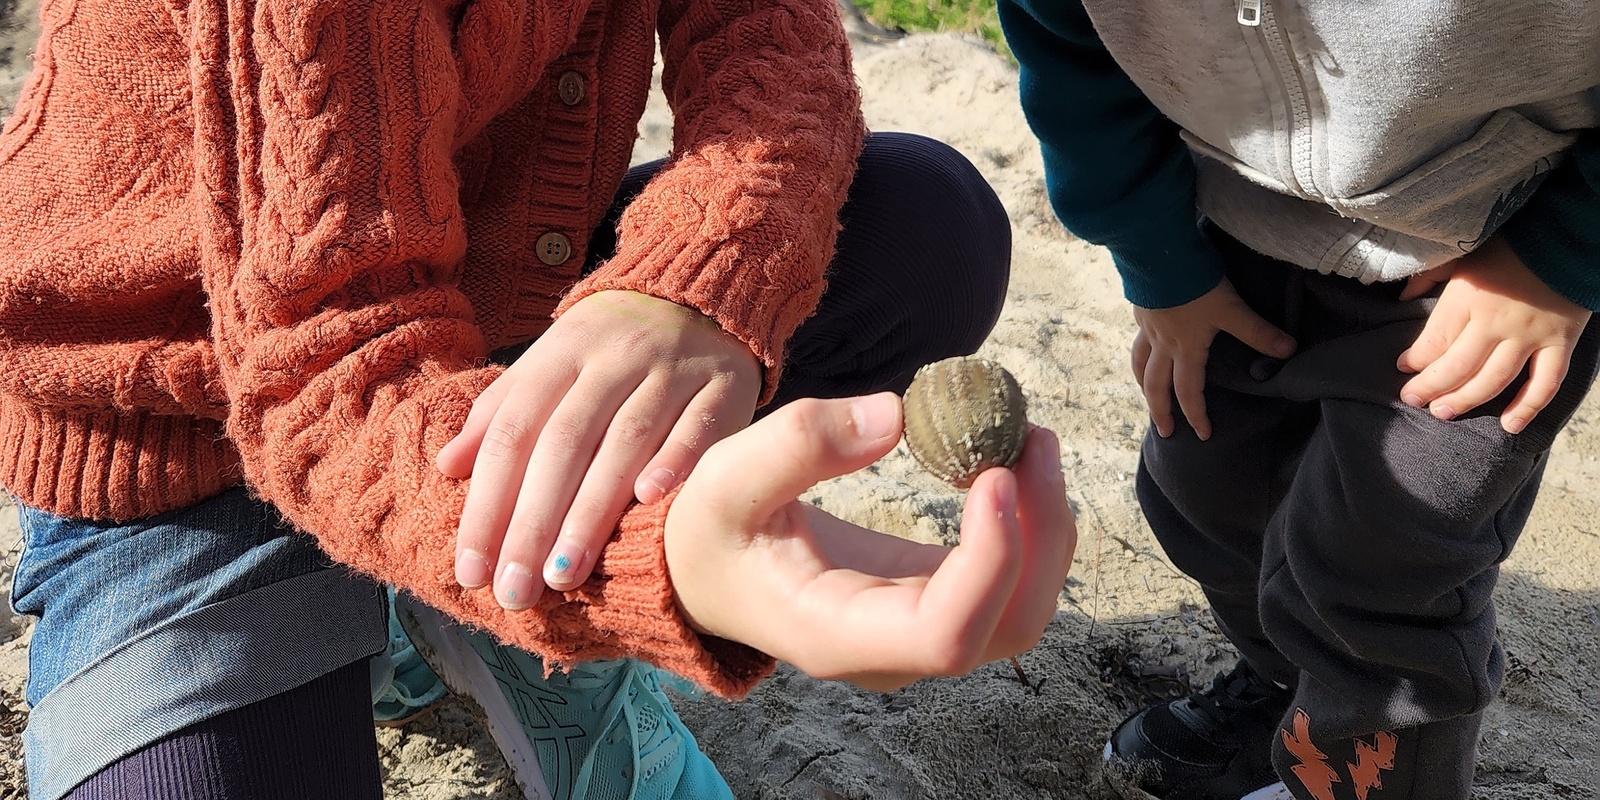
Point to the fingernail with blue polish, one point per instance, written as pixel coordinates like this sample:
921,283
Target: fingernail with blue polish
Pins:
515,589
563,560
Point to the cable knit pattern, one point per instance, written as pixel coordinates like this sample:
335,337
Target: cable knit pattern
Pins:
755,83
272,241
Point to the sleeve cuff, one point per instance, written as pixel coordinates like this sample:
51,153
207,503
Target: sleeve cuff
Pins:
1163,272
638,602
1557,234
757,275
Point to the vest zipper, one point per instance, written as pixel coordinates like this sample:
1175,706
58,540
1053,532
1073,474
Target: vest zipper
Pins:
1258,14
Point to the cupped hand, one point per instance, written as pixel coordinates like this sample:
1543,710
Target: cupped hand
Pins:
752,564
616,401
1171,348
1493,318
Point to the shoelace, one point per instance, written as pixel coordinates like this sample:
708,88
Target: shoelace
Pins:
407,669
637,701
1232,691
407,680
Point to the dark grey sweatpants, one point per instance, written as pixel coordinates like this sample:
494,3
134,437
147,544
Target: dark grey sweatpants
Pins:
1349,544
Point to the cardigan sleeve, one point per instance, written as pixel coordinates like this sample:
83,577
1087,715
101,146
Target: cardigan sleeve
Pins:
331,230
741,223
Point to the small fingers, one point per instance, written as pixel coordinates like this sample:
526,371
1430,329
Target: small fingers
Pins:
862,626
1445,324
1189,383
1244,324
456,458
635,432
1497,371
558,465
1422,283
1465,356
711,416
498,471
1547,369
1049,536
960,607
1140,353
1157,385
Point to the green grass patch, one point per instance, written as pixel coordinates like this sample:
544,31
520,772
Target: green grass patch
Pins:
962,16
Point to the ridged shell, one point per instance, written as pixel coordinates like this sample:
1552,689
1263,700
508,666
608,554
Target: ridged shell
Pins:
963,416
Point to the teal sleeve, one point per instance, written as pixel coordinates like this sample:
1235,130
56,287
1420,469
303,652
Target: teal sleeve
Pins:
1557,233
1116,171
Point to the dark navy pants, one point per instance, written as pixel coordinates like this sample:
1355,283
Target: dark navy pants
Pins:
1349,544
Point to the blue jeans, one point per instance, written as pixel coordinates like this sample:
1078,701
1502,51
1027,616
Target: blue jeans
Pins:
149,626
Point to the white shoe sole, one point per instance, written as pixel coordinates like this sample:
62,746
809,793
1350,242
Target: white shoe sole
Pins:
1276,791
451,656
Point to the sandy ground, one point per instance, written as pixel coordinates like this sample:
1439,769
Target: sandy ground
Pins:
1131,628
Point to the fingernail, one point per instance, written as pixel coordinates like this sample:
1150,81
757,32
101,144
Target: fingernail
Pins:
872,416
472,569
515,588
564,559
1442,411
1515,425
1054,448
1283,348
663,479
1411,400
1005,496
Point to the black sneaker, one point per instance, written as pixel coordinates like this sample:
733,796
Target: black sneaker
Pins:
1211,745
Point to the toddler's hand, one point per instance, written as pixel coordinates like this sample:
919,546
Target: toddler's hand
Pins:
1494,317
1169,353
617,400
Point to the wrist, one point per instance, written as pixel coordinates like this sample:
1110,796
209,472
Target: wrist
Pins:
681,558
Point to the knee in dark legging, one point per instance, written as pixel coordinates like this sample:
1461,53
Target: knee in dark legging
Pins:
946,217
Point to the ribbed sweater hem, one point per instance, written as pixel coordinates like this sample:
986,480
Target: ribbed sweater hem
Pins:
109,465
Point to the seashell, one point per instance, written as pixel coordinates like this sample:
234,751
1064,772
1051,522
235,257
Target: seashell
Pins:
963,416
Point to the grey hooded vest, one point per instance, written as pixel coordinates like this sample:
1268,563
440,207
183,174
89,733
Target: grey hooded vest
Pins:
1368,138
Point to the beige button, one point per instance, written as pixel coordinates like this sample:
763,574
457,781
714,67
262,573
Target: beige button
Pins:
569,87
553,249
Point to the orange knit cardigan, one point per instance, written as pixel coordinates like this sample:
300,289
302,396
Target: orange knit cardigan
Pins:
271,241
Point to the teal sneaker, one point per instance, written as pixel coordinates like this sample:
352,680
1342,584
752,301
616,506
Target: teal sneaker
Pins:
603,731
403,687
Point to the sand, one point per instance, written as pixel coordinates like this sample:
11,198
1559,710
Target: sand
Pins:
1130,629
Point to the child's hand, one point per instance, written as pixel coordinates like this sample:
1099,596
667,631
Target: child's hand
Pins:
618,399
1494,317
1169,353
752,564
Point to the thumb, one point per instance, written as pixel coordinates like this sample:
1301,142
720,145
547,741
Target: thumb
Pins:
760,469
1260,335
